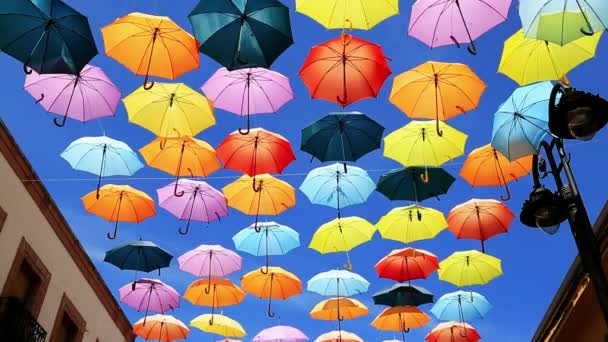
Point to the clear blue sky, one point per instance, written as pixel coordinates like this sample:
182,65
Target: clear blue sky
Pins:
534,263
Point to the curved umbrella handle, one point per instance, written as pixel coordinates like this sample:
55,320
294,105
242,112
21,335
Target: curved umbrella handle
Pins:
26,69
256,189
112,237
133,285
349,265
40,99
208,288
175,192
425,176
245,132
472,48
211,320
586,33
62,122
508,195
148,85
344,101
270,313
264,269
439,131
185,231
455,41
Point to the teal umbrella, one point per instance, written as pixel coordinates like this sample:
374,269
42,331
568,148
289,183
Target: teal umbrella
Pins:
403,295
46,35
242,34
407,184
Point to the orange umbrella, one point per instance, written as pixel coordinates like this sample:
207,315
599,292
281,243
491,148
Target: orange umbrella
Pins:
485,166
479,220
274,283
119,203
163,328
339,336
181,156
401,318
339,309
214,292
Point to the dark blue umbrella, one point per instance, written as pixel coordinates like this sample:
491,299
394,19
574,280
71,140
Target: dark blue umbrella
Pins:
138,255
403,295
407,184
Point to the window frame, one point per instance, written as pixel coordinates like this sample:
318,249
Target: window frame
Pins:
3,216
67,307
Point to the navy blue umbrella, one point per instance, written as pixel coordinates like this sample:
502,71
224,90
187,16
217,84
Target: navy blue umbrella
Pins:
407,184
138,255
403,295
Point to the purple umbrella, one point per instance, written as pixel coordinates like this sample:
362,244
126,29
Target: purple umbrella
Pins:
280,333
149,295
248,91
87,96
441,22
201,202
211,261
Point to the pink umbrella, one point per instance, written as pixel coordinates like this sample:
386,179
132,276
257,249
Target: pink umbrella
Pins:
210,261
248,91
201,202
441,22
87,96
280,333
149,295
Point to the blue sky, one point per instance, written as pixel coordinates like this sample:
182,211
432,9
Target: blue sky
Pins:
534,263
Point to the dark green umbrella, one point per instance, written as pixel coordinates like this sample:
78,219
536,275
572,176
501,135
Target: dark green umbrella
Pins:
46,35
407,184
403,295
242,33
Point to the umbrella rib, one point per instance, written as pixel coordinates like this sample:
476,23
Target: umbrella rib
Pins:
329,70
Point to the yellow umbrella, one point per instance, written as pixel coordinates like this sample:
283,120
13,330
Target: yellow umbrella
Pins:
334,309
469,268
527,60
353,14
342,235
411,223
274,282
222,325
170,109
400,318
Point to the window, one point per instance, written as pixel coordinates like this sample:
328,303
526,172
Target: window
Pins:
3,216
69,324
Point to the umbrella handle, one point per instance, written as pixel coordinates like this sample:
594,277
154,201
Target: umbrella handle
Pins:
256,189
342,101
26,69
586,33
148,85
211,320
349,265
425,176
245,132
40,99
264,270
455,41
270,313
185,231
472,49
508,195
113,236
175,192
62,122
439,131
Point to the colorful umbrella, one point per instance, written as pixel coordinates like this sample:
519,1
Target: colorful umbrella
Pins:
151,45
163,328
119,203
280,333
468,268
400,318
248,91
102,156
345,70
479,220
202,203
149,295
275,283
437,23
138,255
86,96
47,36
453,332
339,336
170,109
338,309
242,35
210,261
461,306
352,14
222,325
338,283
411,223
408,184
403,295
485,166
214,292
407,264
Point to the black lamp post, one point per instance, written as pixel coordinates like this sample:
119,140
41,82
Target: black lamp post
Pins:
578,115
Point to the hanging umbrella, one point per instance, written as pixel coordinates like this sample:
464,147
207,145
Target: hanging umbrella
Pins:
521,122
527,60
102,156
342,235
273,196
461,306
400,318
149,295
210,261
119,203
214,292
272,239
485,166
280,333
47,36
242,35
339,309
411,223
138,255
438,23
170,109
163,328
468,268
453,332
202,202
479,220
338,283
248,91
86,96
344,136
408,184
339,336
222,325
348,14
345,70
403,295
275,283
438,91
151,45
407,264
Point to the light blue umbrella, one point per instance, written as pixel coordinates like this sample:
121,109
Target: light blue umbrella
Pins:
102,156
272,239
338,283
461,306
522,122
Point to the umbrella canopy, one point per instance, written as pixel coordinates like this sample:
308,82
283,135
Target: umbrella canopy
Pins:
210,261
461,306
338,283
214,292
403,295
407,264
348,14
170,109
138,255
222,325
345,136
149,295
453,332
408,184
345,70
400,318
411,223
47,36
339,309
527,60
163,328
86,96
181,156
240,34
280,333
468,268
339,336
275,283
151,45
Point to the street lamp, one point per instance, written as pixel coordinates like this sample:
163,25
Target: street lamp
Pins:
578,115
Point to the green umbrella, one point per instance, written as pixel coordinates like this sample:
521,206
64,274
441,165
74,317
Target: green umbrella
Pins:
46,35
403,295
242,34
408,185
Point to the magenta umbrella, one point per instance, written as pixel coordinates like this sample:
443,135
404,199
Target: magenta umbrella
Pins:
280,333
210,261
248,91
87,96
441,22
149,295
201,202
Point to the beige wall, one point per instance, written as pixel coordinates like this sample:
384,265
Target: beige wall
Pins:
25,220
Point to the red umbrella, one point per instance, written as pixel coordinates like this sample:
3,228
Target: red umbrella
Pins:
345,70
453,332
407,264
